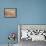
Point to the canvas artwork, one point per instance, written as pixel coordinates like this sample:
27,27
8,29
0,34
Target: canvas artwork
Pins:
33,32
10,12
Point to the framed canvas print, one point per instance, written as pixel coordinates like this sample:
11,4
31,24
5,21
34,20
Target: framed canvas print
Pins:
10,12
33,32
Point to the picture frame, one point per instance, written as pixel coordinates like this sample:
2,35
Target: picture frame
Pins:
39,28
10,12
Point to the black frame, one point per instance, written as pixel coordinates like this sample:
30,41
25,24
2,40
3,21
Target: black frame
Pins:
10,17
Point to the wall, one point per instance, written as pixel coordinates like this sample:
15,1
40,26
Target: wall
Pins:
28,12
33,12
